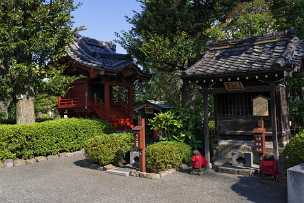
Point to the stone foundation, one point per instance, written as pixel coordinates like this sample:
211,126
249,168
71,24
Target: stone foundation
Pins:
228,152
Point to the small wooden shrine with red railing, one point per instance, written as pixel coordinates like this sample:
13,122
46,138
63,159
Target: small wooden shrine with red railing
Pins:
105,89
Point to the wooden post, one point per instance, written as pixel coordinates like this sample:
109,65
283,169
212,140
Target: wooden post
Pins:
206,128
107,97
274,123
142,145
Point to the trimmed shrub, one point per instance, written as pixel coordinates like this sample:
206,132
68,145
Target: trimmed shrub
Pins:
108,149
165,155
294,151
4,154
47,138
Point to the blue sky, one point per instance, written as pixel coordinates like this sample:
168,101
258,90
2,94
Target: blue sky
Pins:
103,18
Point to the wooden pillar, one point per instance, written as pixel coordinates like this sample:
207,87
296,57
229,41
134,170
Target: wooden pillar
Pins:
142,145
107,97
274,123
206,128
130,99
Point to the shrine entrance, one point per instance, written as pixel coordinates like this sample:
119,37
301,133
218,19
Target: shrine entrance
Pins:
247,80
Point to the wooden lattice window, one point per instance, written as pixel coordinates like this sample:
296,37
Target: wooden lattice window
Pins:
235,104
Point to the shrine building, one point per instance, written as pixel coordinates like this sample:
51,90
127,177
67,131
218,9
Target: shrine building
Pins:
247,81
106,85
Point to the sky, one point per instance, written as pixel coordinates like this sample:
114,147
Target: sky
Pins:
102,18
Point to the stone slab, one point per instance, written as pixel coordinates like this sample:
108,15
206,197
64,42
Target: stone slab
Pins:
235,171
109,167
1,164
118,172
52,157
30,161
149,175
295,184
19,162
40,158
166,173
9,163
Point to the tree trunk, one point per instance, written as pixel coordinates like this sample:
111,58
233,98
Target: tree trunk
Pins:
186,95
25,112
3,110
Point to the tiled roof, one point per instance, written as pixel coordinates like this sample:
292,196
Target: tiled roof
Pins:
97,54
269,53
158,105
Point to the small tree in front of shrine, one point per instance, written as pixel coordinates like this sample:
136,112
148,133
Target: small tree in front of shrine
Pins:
33,36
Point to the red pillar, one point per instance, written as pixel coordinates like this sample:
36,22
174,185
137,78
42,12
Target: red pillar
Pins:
107,97
142,145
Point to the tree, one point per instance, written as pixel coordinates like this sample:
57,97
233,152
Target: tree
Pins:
246,19
289,14
167,36
33,36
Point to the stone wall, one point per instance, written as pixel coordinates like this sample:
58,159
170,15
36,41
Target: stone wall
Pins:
295,184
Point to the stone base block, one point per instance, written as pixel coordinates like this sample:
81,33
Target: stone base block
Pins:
9,163
52,157
19,162
295,184
30,161
1,164
40,158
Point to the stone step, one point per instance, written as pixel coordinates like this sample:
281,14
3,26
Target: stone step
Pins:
118,171
235,171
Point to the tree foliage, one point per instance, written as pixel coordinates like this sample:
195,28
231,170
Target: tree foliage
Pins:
289,14
34,34
247,19
167,36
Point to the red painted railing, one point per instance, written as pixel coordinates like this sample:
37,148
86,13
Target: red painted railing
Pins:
119,115
63,103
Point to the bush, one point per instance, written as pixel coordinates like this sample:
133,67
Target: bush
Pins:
4,154
165,155
167,125
294,151
47,138
108,149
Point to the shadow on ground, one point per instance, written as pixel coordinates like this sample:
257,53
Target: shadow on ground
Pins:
256,189
87,163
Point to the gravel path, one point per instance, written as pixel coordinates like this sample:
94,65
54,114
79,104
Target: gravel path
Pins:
70,180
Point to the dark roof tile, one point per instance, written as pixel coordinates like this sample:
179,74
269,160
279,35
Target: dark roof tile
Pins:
259,54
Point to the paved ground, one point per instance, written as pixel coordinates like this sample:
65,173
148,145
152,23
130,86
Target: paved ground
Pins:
69,180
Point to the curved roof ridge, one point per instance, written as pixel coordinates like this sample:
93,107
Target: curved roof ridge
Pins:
252,40
270,53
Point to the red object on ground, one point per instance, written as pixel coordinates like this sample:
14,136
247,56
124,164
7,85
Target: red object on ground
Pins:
198,161
269,167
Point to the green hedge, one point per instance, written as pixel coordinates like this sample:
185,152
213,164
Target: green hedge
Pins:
108,149
165,155
294,151
47,138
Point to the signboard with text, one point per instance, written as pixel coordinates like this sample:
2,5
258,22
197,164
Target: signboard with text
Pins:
260,106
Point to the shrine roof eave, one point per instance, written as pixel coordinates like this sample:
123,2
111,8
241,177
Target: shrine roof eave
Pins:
272,53
232,75
110,71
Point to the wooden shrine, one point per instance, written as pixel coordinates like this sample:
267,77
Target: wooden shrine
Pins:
247,80
105,89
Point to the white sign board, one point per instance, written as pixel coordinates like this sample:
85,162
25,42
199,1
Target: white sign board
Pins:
260,106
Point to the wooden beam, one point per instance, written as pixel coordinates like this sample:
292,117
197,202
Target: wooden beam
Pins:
274,123
206,128
262,88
